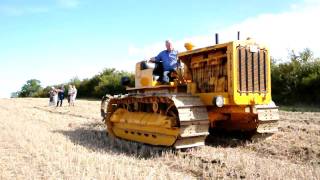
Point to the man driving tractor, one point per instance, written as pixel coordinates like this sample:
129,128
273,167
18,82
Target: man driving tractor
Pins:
168,60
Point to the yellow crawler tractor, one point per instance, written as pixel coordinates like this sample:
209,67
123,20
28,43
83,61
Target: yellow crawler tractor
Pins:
225,86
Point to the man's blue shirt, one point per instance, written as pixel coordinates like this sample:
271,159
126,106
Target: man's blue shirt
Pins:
169,59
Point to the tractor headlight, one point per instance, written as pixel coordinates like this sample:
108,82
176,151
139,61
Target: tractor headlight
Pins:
218,101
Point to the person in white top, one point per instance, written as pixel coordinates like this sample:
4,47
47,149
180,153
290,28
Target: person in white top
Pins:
55,96
74,94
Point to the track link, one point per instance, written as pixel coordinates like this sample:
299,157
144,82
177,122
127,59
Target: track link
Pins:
191,119
194,122
268,117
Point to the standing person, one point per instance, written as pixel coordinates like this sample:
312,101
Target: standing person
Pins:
70,91
55,96
169,60
51,95
74,94
60,96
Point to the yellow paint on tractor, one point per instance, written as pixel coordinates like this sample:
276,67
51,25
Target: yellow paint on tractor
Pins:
140,118
144,137
144,81
148,128
253,97
233,95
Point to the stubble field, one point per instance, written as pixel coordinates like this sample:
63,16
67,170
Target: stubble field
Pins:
41,142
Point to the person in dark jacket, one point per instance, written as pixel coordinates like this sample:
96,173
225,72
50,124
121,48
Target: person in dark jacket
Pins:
60,96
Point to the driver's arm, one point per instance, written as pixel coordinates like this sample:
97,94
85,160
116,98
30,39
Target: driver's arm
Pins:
152,60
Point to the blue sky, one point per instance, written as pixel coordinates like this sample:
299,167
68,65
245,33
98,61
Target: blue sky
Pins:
56,40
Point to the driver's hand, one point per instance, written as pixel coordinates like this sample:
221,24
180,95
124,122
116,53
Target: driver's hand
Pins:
152,60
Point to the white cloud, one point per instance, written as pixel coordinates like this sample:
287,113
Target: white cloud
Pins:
296,29
10,10
145,52
68,3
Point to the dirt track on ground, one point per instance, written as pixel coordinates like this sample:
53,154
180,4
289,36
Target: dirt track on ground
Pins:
41,142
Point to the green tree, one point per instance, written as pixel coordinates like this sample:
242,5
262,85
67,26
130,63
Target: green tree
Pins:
86,87
31,88
14,94
296,81
75,81
109,82
44,92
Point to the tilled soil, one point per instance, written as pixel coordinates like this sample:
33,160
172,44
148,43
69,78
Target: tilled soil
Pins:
42,142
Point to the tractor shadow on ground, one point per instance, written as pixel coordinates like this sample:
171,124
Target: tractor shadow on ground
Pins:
94,137
229,139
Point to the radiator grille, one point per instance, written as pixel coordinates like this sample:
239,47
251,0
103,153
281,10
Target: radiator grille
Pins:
210,75
252,70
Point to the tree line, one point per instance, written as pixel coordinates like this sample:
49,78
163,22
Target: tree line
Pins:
296,80
106,82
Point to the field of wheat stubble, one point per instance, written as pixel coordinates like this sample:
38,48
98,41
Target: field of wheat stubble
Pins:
41,142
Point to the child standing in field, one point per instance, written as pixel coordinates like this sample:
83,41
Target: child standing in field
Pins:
74,94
